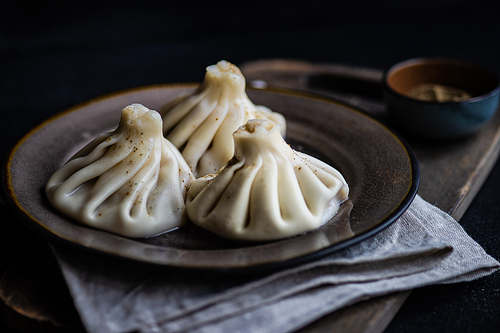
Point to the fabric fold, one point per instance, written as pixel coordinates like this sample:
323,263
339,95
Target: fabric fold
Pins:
424,246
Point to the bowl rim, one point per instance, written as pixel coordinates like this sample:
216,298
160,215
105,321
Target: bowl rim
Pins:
421,60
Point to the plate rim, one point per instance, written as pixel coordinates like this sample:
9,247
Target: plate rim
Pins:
11,200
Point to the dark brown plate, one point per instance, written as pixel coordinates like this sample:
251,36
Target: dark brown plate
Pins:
379,167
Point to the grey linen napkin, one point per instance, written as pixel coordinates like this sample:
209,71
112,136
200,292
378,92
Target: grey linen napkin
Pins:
425,246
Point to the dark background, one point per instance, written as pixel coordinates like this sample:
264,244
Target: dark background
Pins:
56,54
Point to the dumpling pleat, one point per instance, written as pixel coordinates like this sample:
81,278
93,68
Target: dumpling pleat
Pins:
91,149
113,185
328,175
212,193
314,192
76,164
264,196
220,150
233,208
182,132
179,108
117,174
202,138
293,206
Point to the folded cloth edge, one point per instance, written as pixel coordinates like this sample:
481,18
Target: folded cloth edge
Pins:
489,265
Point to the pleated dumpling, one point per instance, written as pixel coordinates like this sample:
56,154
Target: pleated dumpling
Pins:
201,124
267,191
130,181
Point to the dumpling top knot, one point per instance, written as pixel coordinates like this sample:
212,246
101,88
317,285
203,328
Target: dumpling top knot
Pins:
139,117
202,123
227,69
256,125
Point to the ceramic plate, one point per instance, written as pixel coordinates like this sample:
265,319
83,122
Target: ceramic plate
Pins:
380,169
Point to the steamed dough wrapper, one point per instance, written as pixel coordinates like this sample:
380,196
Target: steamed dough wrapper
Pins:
267,191
131,181
202,124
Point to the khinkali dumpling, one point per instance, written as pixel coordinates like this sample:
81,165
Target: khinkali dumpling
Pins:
130,181
267,190
201,124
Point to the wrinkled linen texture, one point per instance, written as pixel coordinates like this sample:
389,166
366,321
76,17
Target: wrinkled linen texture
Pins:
424,246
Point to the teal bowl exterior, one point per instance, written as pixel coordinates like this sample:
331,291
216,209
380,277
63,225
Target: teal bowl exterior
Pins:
440,120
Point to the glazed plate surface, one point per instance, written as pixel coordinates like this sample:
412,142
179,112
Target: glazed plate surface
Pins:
379,167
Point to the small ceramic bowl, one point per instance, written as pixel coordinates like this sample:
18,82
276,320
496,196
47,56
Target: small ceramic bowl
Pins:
440,98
